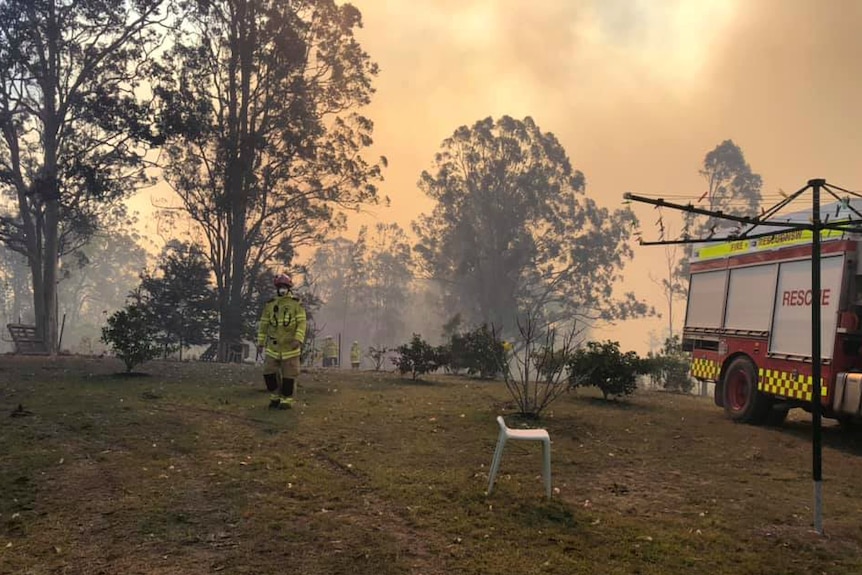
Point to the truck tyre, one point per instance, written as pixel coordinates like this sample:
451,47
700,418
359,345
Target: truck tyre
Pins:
718,393
742,401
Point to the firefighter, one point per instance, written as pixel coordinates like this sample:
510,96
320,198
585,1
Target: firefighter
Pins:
355,355
280,335
330,352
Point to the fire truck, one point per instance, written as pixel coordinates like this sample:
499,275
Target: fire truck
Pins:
748,320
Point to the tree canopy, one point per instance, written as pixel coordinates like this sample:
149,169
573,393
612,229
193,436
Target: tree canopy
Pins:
732,188
73,129
98,277
365,284
265,148
513,230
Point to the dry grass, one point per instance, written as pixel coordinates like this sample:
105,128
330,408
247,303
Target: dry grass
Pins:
185,471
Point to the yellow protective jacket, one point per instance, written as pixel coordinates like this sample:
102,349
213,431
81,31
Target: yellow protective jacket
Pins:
282,321
355,353
330,348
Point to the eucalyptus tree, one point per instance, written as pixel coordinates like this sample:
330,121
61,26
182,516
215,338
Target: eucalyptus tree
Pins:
513,231
364,285
74,130
338,270
732,187
97,277
389,281
261,99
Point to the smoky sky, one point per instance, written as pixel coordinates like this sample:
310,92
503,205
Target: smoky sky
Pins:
637,91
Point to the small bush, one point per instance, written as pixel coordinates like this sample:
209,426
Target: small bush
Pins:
132,336
446,358
603,365
483,353
535,376
378,355
669,368
416,358
478,352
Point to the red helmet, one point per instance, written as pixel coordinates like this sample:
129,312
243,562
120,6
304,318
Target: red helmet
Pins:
282,280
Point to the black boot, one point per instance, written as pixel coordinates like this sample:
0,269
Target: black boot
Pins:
271,381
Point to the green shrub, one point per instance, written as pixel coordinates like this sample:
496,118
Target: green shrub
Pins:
483,352
603,365
132,336
669,368
416,358
477,352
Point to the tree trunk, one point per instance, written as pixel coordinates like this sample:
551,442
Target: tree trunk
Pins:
48,188
233,325
36,273
226,326
240,177
49,275
43,261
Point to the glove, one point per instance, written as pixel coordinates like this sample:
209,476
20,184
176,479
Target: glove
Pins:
295,344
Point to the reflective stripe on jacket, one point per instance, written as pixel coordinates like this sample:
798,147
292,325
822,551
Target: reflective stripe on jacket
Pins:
282,321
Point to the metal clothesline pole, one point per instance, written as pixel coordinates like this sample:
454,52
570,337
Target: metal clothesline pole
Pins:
816,226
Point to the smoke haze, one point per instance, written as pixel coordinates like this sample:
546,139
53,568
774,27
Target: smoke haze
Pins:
637,91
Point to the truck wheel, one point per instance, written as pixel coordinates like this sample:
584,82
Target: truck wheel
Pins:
718,393
742,401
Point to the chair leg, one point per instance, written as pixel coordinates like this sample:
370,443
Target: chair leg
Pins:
495,463
546,453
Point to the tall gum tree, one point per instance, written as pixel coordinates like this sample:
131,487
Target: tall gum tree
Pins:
731,187
513,231
365,284
73,130
261,96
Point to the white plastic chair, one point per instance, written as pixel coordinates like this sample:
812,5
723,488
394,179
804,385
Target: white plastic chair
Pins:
507,433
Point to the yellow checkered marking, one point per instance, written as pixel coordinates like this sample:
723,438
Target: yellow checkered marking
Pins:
786,384
704,369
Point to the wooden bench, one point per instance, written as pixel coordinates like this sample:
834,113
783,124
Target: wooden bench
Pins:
236,354
27,341
211,353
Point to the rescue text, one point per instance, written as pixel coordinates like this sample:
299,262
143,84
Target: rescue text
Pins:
800,297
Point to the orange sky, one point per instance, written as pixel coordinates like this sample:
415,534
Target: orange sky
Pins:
637,91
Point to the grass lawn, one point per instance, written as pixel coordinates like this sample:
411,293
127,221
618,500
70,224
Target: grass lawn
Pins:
185,471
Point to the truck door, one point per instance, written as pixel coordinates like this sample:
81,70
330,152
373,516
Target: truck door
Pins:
791,325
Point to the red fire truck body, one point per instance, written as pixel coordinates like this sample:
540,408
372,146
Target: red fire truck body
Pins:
748,323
